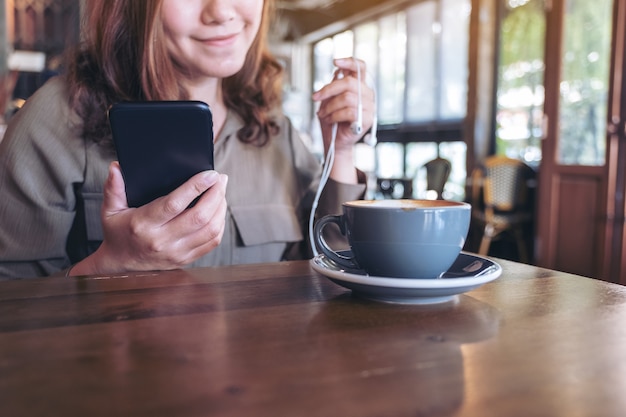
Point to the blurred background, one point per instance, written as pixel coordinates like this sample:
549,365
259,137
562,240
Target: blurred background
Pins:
537,81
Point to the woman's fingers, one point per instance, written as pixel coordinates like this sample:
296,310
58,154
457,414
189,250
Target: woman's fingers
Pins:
114,195
166,208
165,233
348,98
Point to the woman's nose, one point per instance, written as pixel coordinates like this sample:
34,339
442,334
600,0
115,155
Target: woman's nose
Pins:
218,11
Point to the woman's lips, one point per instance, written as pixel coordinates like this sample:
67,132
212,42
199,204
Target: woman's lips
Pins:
220,40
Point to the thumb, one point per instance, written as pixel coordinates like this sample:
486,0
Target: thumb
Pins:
114,199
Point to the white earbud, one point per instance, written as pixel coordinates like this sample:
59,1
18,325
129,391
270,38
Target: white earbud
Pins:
356,126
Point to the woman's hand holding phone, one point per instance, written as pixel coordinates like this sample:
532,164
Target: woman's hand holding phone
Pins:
163,234
165,152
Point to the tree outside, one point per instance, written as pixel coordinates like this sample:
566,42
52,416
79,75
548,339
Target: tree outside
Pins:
583,87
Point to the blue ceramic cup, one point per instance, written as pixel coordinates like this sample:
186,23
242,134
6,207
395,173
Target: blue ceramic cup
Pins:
399,238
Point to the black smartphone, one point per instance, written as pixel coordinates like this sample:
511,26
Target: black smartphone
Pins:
160,145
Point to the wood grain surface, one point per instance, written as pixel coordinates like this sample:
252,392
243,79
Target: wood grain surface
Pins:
281,340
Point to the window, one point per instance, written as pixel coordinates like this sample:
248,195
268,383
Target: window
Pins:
392,52
421,79
453,47
519,115
585,82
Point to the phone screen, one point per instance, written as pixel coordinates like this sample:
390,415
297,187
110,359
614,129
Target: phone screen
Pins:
160,145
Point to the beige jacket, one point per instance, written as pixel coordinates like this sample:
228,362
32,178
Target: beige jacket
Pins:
51,183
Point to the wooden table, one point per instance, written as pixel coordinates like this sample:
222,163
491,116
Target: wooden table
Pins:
281,340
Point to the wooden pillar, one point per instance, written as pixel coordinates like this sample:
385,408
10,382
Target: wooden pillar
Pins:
479,127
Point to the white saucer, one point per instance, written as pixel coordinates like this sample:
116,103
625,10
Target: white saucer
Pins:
467,273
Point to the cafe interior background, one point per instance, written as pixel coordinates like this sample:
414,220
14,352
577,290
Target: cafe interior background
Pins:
539,81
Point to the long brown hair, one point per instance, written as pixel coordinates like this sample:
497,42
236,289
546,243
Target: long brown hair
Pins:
123,58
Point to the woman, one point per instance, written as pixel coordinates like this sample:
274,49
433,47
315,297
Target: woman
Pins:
64,209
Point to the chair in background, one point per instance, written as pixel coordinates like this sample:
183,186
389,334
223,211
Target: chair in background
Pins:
501,201
395,188
437,174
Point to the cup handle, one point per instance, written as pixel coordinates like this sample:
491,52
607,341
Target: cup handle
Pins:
320,242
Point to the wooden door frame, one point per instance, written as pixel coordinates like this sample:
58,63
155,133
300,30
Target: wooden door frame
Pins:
546,227
572,238
615,256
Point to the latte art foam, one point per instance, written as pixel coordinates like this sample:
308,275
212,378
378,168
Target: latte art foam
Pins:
404,204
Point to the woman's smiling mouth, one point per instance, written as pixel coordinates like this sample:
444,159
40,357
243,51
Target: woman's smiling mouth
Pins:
224,40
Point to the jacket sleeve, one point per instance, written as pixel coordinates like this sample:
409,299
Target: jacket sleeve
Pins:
40,161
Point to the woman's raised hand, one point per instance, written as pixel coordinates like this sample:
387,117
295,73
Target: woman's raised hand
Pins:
339,103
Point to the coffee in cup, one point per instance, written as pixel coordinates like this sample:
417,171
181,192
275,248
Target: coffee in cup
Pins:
398,238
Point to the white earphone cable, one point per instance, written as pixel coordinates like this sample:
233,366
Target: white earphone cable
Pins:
328,163
357,127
